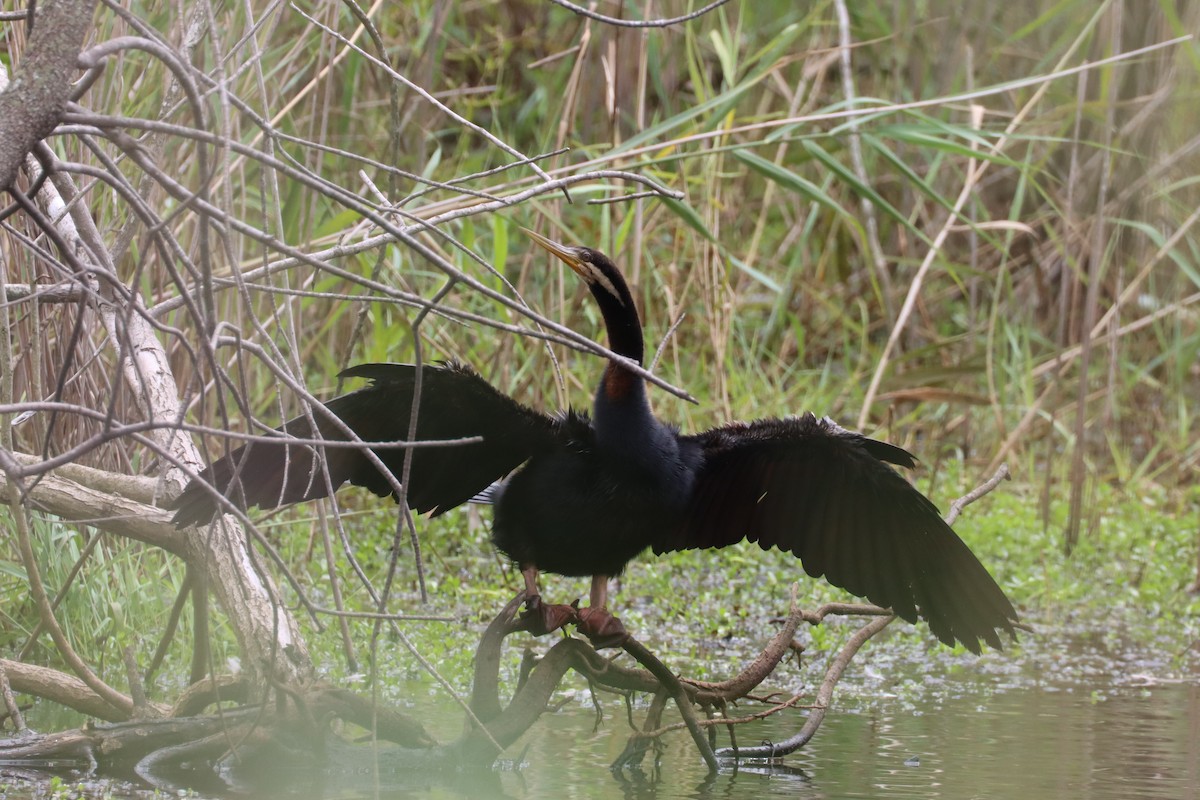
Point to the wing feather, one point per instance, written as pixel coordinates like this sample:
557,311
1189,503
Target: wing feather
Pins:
854,555
830,497
456,403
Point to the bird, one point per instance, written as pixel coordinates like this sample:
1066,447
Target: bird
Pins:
579,494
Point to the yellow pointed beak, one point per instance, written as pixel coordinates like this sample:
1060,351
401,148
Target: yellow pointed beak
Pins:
566,254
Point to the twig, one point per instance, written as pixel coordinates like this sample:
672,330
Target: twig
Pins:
429,98
638,23
979,491
625,198
120,703
662,345
637,744
714,722
64,588
10,702
169,630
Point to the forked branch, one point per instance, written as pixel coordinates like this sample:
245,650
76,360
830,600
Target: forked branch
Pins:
504,725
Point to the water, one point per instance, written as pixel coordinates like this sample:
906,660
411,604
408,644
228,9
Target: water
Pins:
1019,745
1143,744
1140,743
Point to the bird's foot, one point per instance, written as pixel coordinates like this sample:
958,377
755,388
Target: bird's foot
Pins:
601,627
539,618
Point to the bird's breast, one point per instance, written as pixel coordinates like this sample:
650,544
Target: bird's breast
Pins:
585,513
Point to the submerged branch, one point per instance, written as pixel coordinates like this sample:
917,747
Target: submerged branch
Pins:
505,724
671,684
832,675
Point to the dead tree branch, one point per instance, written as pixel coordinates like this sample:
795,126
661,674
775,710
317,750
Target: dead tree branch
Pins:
265,629
109,512
672,685
59,687
986,487
505,724
820,705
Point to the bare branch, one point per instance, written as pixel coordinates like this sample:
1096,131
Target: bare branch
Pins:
682,702
37,590
60,687
54,293
135,487
639,23
986,487
109,512
821,705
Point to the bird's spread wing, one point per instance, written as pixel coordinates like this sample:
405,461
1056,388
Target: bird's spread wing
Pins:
455,403
825,494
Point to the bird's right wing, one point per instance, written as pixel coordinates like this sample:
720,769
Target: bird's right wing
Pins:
826,494
455,404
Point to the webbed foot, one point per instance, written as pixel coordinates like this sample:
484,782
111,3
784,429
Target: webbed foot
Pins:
601,627
539,618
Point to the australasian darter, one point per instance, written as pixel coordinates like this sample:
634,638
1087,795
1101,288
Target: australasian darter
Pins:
582,496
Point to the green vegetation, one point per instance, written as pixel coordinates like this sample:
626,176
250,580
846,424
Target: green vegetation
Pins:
708,613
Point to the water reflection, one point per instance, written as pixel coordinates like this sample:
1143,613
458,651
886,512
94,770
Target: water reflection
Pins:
1142,743
1028,744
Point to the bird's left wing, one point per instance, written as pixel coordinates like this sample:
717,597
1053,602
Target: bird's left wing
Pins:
456,403
826,494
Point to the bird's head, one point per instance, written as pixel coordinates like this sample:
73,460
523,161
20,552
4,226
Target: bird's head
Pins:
611,292
597,269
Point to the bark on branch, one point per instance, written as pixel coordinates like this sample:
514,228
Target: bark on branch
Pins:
59,687
109,512
33,102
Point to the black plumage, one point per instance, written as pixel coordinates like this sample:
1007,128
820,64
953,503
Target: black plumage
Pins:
584,496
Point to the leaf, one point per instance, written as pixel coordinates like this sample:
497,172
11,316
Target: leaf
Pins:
499,242
848,177
688,214
880,147
794,182
1158,240
924,136
761,277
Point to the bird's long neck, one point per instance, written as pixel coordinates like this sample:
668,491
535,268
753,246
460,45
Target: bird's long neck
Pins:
622,410
625,339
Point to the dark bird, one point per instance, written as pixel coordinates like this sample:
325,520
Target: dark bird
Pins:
583,496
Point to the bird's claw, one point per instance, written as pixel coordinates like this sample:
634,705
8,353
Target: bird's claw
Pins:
596,623
601,627
539,618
